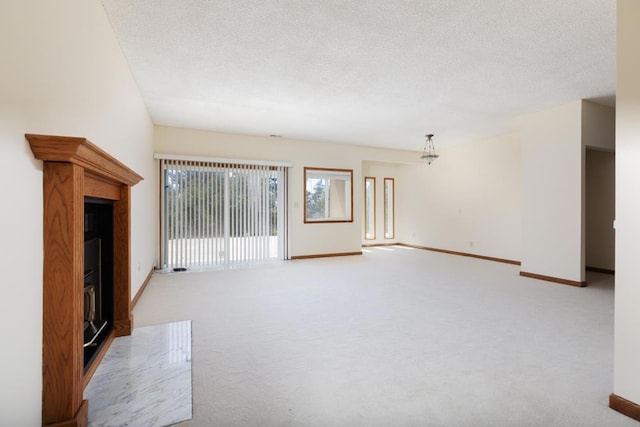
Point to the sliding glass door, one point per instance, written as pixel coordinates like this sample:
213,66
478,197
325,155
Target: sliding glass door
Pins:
220,214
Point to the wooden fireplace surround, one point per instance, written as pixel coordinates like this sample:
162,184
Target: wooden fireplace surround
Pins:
74,168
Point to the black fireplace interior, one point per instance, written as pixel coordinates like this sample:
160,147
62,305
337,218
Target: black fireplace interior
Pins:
98,275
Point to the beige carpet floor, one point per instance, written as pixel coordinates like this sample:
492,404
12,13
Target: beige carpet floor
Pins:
396,337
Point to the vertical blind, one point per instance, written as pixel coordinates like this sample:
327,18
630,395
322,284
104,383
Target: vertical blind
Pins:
220,213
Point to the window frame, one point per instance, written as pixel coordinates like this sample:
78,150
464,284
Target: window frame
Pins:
348,204
386,233
366,211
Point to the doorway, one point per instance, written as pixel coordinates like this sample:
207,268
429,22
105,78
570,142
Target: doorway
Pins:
599,211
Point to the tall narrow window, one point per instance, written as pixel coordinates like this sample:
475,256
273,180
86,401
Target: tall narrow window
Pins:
389,209
218,213
369,208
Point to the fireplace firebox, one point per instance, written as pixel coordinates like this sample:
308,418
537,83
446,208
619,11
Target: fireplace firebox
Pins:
98,276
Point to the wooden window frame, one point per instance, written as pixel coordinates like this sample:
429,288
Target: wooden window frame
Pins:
391,235
366,216
347,218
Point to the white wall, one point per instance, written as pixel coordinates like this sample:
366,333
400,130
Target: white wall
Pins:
600,188
380,171
552,214
305,239
627,315
62,73
469,200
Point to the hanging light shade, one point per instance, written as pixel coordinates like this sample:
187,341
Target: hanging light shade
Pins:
429,153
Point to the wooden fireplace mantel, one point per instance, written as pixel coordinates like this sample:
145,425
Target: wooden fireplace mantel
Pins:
82,152
74,168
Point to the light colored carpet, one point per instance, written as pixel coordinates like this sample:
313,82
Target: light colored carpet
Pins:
397,336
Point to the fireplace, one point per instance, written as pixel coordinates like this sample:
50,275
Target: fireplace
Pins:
86,268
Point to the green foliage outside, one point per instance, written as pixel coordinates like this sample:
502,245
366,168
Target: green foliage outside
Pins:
198,201
316,200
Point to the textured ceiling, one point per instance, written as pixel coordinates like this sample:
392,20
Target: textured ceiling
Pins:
372,72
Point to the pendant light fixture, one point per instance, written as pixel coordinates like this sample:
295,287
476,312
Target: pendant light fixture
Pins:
429,153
